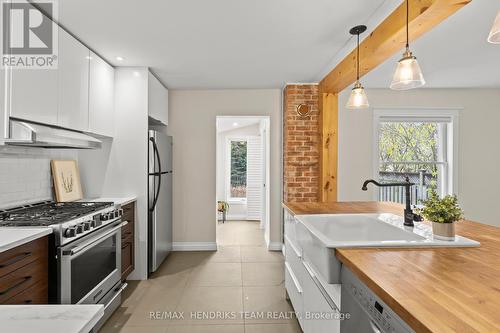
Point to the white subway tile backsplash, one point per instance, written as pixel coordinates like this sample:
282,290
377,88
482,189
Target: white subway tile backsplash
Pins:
25,174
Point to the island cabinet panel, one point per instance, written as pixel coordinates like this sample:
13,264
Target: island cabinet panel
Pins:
24,273
128,240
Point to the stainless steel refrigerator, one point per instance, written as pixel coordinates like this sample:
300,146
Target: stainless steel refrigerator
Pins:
159,199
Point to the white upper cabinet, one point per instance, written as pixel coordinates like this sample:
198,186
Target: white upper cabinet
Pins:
73,108
33,94
101,96
157,100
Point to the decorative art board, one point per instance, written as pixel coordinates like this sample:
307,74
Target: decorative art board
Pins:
66,179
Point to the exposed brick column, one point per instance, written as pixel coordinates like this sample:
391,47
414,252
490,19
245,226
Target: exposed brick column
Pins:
301,144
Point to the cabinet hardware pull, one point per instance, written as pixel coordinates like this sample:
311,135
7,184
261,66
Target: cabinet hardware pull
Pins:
23,280
17,258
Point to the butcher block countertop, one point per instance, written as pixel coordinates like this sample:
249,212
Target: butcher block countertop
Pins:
433,290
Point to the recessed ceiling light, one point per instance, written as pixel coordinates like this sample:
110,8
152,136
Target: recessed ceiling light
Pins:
235,124
119,58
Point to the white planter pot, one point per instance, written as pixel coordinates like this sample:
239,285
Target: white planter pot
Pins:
444,231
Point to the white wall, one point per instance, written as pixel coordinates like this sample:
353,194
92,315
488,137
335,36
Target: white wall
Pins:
25,175
479,153
192,120
236,210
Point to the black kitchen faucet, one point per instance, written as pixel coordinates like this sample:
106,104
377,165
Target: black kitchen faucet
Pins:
409,215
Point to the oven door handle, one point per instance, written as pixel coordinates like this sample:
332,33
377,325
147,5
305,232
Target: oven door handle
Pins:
87,244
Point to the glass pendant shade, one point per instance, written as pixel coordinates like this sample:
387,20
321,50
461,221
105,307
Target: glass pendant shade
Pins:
408,74
494,36
357,99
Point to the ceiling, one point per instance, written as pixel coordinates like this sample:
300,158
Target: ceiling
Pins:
200,44
231,123
455,54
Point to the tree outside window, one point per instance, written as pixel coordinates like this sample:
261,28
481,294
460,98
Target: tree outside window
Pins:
410,149
238,177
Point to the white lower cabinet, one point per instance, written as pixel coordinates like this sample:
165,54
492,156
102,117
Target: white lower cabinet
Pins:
316,311
321,316
295,291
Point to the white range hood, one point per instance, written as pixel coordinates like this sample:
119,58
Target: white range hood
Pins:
23,133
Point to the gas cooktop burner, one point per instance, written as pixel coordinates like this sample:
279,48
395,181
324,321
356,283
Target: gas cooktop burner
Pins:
48,213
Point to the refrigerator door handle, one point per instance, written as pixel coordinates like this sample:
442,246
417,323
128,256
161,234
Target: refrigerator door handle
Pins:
157,174
157,155
157,194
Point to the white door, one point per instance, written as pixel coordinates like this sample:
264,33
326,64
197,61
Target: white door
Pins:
254,178
73,83
101,96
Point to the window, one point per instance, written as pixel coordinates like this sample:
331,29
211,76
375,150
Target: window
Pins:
418,147
238,169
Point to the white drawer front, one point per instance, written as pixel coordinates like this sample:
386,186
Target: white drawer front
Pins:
321,315
292,252
295,292
290,226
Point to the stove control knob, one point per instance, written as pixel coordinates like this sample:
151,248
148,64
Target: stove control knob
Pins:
120,212
87,225
79,228
104,217
70,232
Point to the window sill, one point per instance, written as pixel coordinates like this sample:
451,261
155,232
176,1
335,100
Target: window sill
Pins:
237,201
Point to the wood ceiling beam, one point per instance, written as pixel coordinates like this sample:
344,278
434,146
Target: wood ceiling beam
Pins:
389,38
386,40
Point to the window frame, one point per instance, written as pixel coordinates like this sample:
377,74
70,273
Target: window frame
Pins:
227,175
448,116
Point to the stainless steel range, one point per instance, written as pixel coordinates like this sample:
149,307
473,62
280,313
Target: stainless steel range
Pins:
85,249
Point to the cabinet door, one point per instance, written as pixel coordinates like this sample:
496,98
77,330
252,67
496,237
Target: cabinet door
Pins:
158,100
101,96
73,111
33,94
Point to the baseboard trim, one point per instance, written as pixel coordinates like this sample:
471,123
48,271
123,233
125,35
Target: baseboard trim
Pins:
194,246
242,217
275,246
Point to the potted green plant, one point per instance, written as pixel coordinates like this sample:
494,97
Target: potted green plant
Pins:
222,207
443,213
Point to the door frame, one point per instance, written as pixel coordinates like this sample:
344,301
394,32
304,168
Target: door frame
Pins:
265,123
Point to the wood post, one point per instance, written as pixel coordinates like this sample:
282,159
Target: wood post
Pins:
383,42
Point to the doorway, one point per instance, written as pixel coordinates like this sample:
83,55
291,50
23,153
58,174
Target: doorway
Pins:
242,173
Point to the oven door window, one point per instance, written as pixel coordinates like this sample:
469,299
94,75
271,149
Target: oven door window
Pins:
92,267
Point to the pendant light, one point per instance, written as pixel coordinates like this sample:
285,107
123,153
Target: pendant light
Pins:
408,74
357,99
494,36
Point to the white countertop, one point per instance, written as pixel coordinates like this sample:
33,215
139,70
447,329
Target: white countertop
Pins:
49,318
11,237
122,201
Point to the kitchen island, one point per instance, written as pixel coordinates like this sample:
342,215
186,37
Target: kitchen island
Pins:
431,289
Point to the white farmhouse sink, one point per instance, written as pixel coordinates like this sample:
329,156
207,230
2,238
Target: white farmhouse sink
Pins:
320,234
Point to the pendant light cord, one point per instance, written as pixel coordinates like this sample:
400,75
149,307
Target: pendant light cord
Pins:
407,14
357,60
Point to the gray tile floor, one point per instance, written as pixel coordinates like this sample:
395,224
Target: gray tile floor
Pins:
231,290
